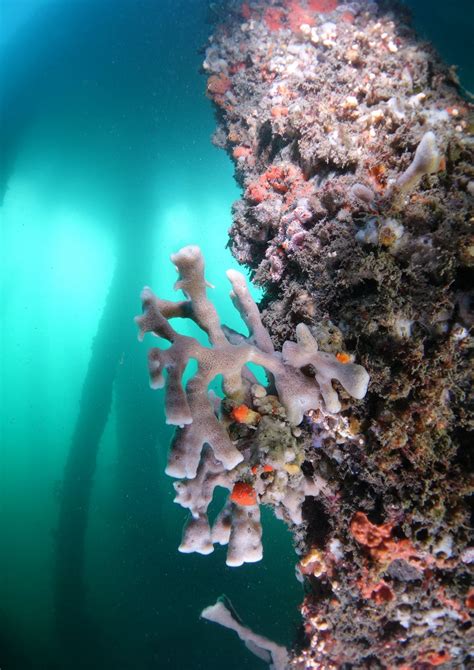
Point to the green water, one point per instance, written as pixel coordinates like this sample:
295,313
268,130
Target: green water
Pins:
108,168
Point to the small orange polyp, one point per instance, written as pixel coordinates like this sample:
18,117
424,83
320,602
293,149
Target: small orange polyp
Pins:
342,357
243,494
262,468
240,413
243,414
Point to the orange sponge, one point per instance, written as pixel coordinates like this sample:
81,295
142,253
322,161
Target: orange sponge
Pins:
243,494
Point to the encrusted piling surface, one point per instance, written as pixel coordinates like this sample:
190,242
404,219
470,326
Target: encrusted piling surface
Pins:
353,148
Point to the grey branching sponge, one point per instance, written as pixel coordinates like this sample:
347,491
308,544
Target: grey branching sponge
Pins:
270,652
353,378
202,452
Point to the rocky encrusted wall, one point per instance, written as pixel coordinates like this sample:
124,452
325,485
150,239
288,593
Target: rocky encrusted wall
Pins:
353,148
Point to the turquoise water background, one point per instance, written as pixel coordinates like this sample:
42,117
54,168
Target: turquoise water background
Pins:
107,168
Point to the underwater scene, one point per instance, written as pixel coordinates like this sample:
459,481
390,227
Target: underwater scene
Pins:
236,264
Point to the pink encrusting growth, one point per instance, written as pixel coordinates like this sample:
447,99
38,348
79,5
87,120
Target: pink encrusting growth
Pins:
288,14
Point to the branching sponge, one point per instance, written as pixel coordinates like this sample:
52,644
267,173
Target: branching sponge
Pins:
203,455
